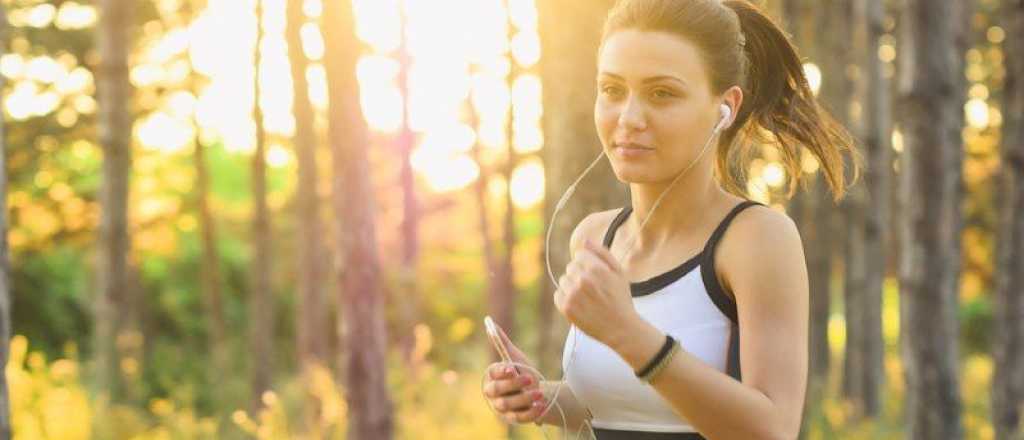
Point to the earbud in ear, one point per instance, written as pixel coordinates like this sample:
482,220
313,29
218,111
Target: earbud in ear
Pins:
726,112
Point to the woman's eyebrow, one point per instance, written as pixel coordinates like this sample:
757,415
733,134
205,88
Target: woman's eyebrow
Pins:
647,80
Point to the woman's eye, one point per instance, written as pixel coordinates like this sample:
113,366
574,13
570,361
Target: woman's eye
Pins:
610,91
663,94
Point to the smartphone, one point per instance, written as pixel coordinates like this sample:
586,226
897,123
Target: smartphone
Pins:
492,333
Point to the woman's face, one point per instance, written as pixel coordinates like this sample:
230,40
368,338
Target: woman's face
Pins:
654,109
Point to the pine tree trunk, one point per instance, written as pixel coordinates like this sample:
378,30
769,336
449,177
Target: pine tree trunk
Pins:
5,286
409,306
570,33
210,271
929,269
811,208
854,207
261,315
311,311
211,276
363,330
114,125
1008,379
876,212
505,301
491,265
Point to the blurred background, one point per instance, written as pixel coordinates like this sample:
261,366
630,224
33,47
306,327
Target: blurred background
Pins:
208,237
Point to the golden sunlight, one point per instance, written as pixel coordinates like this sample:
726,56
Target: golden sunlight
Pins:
976,111
814,77
528,184
72,15
456,74
773,175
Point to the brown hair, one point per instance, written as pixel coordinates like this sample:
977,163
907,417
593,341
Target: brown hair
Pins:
742,46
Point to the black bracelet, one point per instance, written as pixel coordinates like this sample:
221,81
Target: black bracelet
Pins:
657,358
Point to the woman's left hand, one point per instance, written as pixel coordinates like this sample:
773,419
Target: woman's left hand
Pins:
594,295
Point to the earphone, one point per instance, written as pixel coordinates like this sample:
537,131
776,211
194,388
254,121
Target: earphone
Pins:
725,113
724,122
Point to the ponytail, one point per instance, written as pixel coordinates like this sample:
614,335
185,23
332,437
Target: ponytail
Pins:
783,110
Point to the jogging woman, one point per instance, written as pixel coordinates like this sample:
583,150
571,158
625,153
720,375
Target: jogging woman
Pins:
690,304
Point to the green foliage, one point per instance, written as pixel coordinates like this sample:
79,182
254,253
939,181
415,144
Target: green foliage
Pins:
976,323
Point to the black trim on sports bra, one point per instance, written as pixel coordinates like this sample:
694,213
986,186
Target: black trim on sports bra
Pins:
724,303
614,434
707,268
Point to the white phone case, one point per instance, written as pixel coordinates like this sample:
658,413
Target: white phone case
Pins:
492,332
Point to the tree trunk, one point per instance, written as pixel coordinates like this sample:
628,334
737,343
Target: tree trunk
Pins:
211,276
210,270
876,212
311,313
505,299
362,330
570,32
1008,379
114,126
261,315
491,264
811,208
409,306
854,207
929,268
5,287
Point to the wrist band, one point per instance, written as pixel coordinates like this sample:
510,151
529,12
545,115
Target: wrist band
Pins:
666,347
661,365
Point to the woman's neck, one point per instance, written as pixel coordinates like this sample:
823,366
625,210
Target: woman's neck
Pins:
681,211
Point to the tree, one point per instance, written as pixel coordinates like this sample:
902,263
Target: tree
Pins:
363,331
930,101
114,128
853,208
1008,379
570,32
312,314
876,210
211,270
811,209
408,307
5,294
504,296
261,314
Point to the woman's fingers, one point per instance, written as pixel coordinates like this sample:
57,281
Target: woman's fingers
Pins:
498,370
519,402
501,387
530,414
518,399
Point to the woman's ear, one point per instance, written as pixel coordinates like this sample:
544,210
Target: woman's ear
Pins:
733,97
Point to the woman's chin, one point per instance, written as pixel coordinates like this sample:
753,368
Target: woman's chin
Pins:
633,174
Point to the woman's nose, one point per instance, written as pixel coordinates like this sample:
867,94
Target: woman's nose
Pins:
632,115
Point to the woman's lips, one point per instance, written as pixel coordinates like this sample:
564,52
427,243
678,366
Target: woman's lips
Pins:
631,151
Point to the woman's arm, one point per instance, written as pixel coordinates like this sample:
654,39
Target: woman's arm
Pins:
767,274
575,413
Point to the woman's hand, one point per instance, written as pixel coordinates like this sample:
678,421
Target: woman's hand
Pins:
594,295
514,392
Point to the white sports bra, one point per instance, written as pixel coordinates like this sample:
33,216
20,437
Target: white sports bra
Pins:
686,302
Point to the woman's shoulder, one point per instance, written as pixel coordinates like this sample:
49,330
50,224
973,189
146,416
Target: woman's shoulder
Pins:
759,239
762,222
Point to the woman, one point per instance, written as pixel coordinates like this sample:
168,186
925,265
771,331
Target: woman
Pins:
694,323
